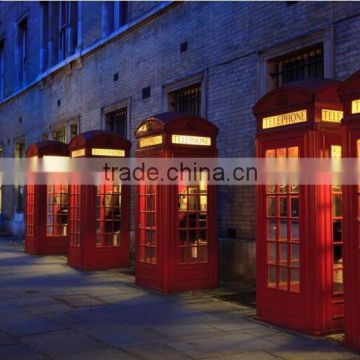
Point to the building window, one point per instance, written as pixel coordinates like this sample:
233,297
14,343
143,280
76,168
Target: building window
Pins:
59,134
305,64
22,52
19,190
66,131
114,15
74,130
187,99
121,13
67,30
63,10
2,72
44,35
116,122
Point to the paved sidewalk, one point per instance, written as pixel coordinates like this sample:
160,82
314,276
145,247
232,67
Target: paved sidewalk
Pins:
50,311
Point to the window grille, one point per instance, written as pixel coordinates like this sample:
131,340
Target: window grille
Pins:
187,100
116,122
307,64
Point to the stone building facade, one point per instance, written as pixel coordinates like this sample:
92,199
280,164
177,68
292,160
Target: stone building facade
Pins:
74,66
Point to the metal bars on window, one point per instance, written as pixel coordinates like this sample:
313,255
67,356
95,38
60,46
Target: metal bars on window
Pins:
59,134
308,64
116,122
187,100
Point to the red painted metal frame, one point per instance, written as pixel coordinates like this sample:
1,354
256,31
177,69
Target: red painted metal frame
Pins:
168,274
87,255
314,309
349,91
37,241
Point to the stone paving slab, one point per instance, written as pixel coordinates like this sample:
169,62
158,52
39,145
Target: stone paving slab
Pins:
64,342
20,352
19,324
6,339
103,354
49,310
156,352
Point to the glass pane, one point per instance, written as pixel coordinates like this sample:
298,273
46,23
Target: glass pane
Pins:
203,202
338,259
294,207
150,219
293,152
192,236
271,206
281,153
283,206
336,206
203,255
295,230
192,203
337,231
283,250
272,276
295,255
270,153
202,220
202,237
188,254
283,230
192,220
283,278
272,253
183,220
271,229
182,237
338,280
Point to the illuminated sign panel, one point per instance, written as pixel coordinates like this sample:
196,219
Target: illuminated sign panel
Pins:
191,140
284,119
108,152
331,115
150,141
78,153
355,106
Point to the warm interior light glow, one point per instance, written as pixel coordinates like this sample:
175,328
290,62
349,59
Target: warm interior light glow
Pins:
191,140
355,106
284,119
78,153
336,151
331,115
150,141
55,163
108,152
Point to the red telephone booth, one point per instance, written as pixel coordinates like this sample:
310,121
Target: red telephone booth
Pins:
99,215
350,95
299,228
176,244
46,228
